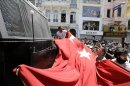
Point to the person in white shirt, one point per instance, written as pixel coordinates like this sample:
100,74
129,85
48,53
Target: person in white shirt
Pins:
121,57
61,33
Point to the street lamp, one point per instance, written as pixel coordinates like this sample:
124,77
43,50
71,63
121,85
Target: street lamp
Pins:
32,12
116,8
77,31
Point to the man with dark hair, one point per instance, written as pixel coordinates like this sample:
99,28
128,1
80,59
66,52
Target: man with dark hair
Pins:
61,33
101,52
121,57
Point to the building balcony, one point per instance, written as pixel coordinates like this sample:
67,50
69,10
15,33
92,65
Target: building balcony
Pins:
118,19
56,3
56,24
38,4
72,21
92,2
74,6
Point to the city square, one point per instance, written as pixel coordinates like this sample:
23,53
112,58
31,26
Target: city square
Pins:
64,42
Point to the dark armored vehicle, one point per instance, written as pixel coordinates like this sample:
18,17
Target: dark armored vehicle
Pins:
23,30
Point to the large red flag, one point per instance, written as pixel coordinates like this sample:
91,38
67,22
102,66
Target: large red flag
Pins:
73,66
111,74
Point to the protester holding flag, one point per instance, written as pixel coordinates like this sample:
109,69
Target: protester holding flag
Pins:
121,57
61,33
101,52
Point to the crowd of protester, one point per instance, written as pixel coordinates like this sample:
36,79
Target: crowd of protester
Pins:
108,46
110,50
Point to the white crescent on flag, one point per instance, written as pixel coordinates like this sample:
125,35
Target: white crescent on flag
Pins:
71,38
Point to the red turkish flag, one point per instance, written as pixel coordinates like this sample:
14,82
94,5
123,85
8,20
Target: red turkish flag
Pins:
111,74
73,66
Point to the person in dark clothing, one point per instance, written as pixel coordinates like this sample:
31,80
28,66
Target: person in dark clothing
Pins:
121,57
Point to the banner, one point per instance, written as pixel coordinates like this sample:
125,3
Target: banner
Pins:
128,9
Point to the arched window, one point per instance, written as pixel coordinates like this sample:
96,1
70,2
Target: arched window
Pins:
63,16
128,24
73,17
73,1
55,17
48,15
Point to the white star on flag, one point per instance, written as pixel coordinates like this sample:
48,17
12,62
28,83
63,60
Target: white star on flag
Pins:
71,38
83,53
